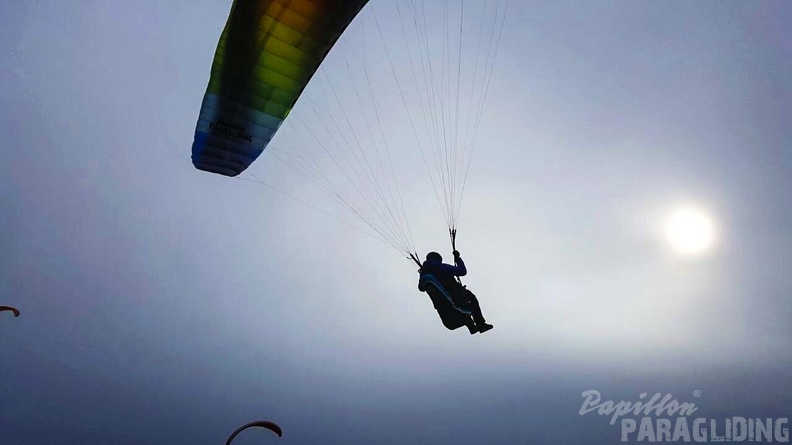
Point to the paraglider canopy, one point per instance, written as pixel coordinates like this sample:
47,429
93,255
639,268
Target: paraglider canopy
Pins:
259,423
266,55
9,308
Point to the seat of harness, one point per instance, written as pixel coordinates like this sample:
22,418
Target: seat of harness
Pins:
433,287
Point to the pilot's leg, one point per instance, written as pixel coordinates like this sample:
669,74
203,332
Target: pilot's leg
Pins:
478,317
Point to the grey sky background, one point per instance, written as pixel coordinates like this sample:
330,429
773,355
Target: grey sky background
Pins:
161,304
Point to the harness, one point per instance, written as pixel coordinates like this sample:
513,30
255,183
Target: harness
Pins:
433,286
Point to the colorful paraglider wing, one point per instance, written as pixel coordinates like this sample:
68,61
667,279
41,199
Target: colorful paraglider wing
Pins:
9,308
267,53
259,423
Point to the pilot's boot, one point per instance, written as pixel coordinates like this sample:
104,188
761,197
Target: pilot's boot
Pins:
484,327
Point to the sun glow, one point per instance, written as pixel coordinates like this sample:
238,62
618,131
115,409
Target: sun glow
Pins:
689,231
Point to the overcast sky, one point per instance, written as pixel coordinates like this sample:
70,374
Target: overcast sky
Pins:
165,305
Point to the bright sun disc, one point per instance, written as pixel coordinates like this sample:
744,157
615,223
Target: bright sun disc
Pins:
689,231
